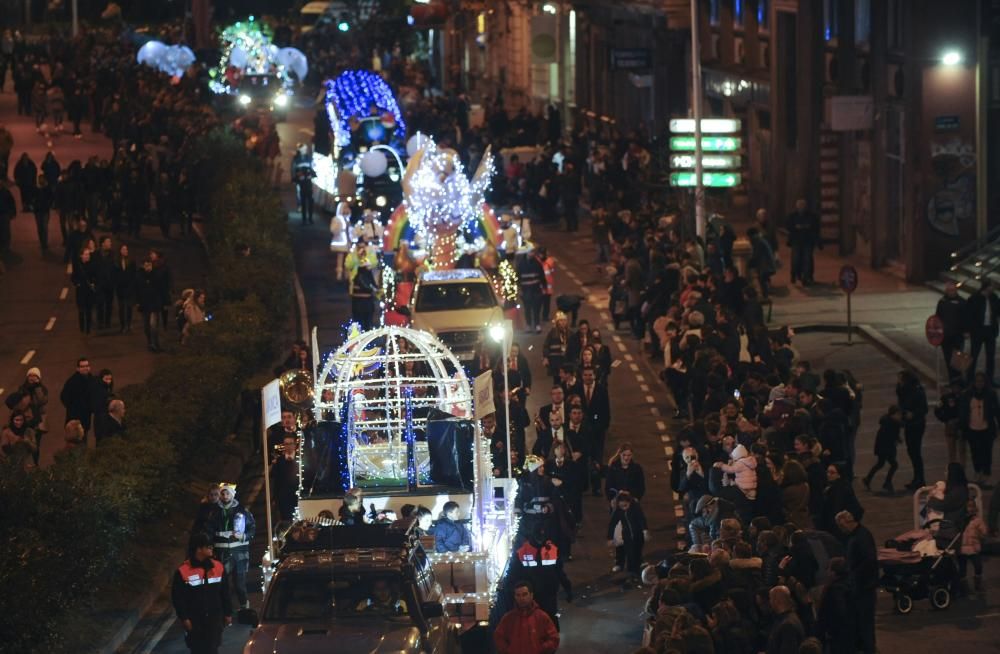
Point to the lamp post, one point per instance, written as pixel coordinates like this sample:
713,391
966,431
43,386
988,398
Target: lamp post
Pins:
503,334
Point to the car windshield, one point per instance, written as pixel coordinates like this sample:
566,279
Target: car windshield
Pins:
451,297
313,597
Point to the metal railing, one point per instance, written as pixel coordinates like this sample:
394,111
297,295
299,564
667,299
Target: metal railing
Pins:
973,252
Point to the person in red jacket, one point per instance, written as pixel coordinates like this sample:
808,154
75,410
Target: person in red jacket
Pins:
526,629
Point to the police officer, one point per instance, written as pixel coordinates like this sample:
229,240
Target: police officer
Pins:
303,174
200,595
233,526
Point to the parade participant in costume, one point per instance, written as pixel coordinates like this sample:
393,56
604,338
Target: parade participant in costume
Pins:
340,242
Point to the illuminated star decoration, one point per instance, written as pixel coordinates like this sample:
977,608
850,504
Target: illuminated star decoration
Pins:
439,197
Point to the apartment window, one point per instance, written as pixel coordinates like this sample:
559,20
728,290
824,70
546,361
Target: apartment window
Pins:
738,13
763,16
831,19
713,12
862,22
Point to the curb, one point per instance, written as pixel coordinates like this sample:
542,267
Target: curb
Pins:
879,340
232,465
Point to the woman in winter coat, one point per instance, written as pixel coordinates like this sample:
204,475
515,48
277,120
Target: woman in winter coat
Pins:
807,452
744,471
634,534
978,415
838,496
795,494
17,441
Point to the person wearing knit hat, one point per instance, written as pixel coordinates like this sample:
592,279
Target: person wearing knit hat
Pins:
38,400
233,527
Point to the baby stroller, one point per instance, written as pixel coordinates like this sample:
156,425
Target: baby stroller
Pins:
921,564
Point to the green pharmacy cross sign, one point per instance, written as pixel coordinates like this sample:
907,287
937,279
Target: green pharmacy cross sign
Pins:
711,180
708,143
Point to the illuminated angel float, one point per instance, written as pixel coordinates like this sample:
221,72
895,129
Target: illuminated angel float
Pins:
396,424
255,70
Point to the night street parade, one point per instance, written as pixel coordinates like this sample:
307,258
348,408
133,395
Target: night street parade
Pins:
499,326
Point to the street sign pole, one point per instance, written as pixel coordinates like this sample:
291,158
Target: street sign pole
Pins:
848,281
699,187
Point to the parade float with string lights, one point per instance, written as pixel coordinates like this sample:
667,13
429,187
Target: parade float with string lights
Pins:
250,60
408,433
368,135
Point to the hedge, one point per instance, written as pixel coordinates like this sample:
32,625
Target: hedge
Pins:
67,528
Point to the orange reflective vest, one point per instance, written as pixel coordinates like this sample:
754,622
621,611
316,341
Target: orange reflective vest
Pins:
532,557
196,576
549,267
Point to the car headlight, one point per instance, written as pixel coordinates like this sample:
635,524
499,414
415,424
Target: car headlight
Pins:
245,100
380,201
281,100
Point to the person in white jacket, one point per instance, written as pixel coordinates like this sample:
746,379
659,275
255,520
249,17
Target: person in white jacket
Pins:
340,242
743,467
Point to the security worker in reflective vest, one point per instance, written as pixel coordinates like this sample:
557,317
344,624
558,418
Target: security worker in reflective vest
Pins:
200,595
539,559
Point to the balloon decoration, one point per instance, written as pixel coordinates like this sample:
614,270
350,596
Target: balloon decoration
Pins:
416,142
293,61
374,163
170,59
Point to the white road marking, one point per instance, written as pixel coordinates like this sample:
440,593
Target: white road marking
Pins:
1,391
627,357
63,293
50,324
605,316
27,357
664,438
679,510
616,338
681,530
662,426
644,388
654,411
640,378
651,399
634,367
676,495
69,269
621,346
669,450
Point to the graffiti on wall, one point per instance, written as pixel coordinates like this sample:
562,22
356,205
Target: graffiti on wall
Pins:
953,193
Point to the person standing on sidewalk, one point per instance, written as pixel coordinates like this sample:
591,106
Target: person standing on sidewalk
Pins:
951,310
200,595
912,400
149,301
8,210
803,238
982,311
104,260
124,278
979,415
26,176
6,145
77,395
862,565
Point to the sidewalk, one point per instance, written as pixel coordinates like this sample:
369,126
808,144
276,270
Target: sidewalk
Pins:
886,308
39,311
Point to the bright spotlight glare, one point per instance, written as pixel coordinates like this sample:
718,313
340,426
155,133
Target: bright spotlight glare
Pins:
380,201
550,8
281,100
497,333
952,58
344,26
245,100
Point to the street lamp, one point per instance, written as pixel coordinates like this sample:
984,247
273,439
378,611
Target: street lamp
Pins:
502,334
951,58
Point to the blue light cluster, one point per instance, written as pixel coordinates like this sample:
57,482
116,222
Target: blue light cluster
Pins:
352,94
411,444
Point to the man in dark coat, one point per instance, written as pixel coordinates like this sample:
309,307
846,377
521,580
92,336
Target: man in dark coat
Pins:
8,209
200,595
787,632
981,321
148,297
803,238
862,566
951,310
26,178
597,414
77,395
